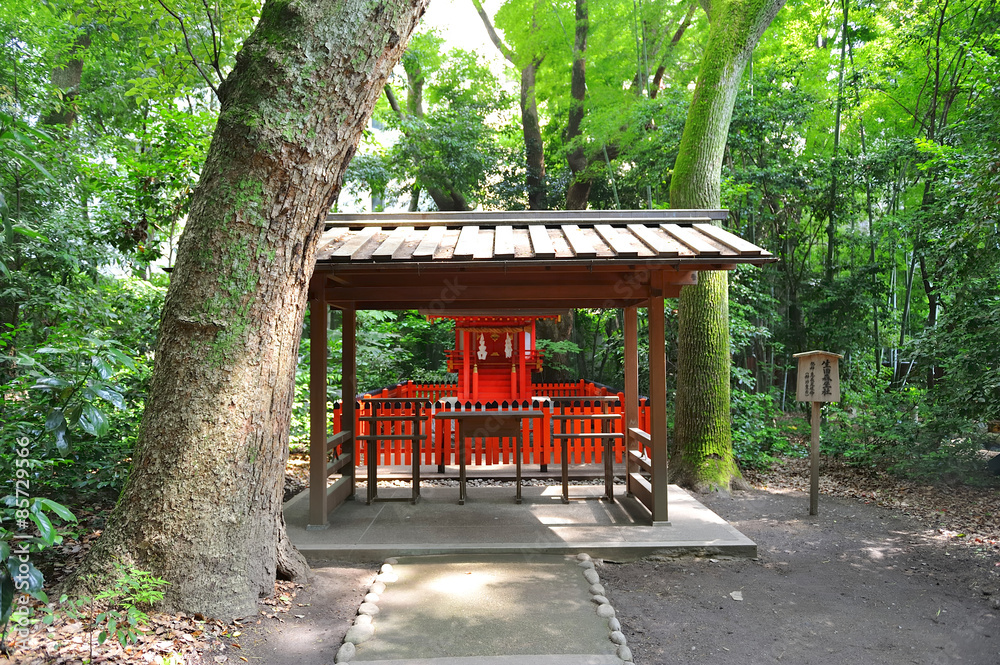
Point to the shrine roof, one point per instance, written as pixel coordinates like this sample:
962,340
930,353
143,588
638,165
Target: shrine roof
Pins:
657,237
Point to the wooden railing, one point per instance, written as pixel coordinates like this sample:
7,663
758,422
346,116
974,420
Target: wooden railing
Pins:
340,457
598,428
395,428
638,469
395,424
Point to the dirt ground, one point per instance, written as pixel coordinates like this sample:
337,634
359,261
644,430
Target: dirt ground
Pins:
856,584
888,572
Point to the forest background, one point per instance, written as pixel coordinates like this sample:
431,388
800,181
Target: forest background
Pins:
863,152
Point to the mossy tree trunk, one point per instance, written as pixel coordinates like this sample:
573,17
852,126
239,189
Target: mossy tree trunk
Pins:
702,455
202,505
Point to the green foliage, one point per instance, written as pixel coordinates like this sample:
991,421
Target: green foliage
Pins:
554,348
18,576
906,433
447,141
759,438
119,611
125,603
76,395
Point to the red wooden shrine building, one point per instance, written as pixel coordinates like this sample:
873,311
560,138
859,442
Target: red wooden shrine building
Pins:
495,275
494,356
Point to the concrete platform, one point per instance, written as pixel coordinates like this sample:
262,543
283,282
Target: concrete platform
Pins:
491,523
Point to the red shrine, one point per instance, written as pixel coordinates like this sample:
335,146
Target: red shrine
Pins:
494,356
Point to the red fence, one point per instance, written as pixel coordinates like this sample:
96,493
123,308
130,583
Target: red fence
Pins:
440,446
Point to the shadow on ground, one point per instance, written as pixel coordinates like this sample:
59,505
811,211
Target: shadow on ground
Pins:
856,584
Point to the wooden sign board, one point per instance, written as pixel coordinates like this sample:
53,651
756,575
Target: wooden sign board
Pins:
818,377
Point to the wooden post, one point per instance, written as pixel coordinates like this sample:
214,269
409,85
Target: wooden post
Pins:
466,365
814,461
318,314
657,398
631,405
817,381
524,376
349,383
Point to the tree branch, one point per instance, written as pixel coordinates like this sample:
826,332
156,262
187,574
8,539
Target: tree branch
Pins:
187,46
215,42
662,67
393,102
494,37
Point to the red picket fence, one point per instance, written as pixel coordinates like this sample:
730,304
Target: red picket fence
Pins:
394,419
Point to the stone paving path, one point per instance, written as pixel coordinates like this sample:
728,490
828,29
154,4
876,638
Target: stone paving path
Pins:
487,610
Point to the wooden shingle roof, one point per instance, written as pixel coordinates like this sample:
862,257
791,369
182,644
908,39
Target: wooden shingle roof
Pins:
671,237
533,260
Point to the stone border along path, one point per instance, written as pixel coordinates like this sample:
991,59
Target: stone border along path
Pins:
604,609
363,628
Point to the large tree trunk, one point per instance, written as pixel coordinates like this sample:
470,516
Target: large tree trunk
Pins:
202,505
533,146
702,455
578,192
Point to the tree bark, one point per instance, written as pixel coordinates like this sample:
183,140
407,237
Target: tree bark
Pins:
202,505
533,145
578,192
702,456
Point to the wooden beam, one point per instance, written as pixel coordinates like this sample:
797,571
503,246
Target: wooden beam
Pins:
691,238
422,296
581,246
429,243
503,242
477,304
631,376
730,240
349,378
620,243
641,489
454,284
654,241
351,247
541,243
318,317
392,243
658,407
468,241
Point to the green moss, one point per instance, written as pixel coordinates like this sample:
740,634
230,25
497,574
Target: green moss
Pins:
233,256
735,29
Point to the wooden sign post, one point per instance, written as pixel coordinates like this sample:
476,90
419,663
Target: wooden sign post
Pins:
818,382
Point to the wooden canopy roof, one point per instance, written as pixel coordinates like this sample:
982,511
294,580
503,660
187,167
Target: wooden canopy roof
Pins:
526,260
